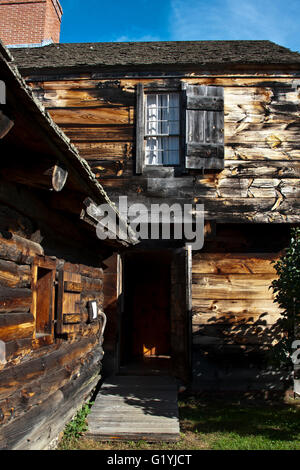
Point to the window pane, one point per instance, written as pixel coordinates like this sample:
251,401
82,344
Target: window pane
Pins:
173,151
174,100
153,151
162,151
162,122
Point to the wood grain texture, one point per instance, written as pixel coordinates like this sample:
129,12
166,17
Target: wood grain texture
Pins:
233,304
135,408
261,138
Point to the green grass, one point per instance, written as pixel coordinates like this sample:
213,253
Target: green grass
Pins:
219,425
229,426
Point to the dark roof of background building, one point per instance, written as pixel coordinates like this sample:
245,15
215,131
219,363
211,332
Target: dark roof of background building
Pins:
165,53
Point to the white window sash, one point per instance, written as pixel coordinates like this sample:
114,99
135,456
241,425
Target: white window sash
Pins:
162,129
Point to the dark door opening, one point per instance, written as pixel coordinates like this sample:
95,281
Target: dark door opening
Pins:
146,320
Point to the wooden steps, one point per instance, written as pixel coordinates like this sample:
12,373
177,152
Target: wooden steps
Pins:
135,408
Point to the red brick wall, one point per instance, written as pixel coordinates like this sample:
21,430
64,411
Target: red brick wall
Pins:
53,20
29,21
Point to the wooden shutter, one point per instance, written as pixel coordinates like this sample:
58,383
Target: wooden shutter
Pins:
140,129
69,302
204,146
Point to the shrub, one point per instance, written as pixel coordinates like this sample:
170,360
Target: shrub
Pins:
287,294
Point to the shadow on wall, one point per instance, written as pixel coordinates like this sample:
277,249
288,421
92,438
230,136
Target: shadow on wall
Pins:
239,355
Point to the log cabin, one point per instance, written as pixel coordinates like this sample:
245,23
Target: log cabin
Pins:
51,271
208,122
203,122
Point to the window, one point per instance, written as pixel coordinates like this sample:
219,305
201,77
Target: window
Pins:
193,116
162,129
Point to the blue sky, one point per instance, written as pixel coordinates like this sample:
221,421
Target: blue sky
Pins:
180,20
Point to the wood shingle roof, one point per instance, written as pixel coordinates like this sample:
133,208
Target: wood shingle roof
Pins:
179,53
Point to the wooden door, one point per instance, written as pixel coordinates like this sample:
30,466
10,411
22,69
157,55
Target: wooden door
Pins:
150,310
146,319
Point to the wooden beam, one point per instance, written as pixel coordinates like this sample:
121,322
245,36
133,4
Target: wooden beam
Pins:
5,125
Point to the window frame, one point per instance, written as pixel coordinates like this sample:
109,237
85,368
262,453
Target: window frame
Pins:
141,110
44,264
209,156
178,135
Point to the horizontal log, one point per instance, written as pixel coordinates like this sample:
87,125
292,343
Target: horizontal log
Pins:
235,280
225,210
49,417
240,334
105,95
18,349
246,318
37,391
267,169
232,286
16,375
14,275
108,168
15,300
18,331
103,116
235,263
235,307
18,249
116,133
14,319
88,271
254,153
285,82
104,150
90,284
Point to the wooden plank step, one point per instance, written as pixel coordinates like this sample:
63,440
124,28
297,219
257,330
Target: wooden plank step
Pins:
135,408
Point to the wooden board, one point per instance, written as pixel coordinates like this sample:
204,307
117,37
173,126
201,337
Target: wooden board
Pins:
261,140
135,408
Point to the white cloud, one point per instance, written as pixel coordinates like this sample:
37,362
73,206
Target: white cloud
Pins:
276,20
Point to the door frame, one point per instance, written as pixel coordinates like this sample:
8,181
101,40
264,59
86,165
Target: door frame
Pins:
181,326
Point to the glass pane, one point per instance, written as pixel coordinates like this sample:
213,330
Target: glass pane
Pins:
173,151
173,143
162,121
174,100
153,151
174,127
163,100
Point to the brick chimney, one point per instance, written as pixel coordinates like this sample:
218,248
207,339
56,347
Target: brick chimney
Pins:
30,22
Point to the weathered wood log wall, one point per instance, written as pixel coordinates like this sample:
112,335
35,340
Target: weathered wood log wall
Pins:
43,378
260,181
231,297
235,321
232,306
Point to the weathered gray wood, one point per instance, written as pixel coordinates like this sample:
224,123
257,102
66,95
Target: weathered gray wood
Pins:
205,103
204,127
135,408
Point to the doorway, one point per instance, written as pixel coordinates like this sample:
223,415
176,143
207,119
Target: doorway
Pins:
146,318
